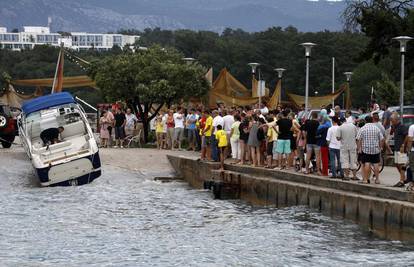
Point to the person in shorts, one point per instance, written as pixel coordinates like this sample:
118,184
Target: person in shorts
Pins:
131,120
205,132
120,121
283,141
347,134
159,132
191,127
369,143
222,143
309,130
400,134
178,128
244,138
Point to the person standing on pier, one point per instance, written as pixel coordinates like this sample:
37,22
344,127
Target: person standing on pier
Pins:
283,141
206,128
222,143
310,128
228,120
400,133
253,141
410,149
191,127
244,138
235,139
322,143
170,129
369,142
334,149
347,134
217,120
178,128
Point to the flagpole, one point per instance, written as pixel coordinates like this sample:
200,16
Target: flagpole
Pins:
57,68
260,90
333,81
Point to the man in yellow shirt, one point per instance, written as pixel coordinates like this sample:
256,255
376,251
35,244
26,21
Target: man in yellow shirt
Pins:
206,136
221,137
271,139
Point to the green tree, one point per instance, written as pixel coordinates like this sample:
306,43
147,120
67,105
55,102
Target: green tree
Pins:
155,76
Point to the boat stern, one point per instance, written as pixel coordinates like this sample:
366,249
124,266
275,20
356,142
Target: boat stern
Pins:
75,172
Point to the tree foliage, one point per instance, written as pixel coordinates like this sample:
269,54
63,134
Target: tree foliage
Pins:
154,76
381,21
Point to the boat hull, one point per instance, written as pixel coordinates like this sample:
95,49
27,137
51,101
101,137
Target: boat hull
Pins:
47,175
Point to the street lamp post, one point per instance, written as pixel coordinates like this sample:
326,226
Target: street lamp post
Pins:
308,49
403,48
254,66
348,75
280,75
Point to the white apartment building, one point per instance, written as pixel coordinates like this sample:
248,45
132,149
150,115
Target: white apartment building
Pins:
33,35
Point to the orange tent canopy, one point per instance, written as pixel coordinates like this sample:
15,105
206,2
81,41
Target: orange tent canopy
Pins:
316,101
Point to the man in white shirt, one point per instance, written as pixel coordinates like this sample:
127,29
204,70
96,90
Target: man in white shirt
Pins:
263,109
410,150
217,120
334,149
228,120
347,134
179,128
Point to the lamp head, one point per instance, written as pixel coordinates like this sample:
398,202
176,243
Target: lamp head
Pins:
189,60
280,72
348,75
403,42
253,66
308,48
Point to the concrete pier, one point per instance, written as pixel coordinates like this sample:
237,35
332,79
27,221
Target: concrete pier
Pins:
387,211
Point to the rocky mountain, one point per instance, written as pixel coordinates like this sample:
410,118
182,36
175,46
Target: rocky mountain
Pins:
112,15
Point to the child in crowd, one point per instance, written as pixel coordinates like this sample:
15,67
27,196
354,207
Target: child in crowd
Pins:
221,137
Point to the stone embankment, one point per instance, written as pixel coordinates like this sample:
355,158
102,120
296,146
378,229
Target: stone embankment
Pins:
384,210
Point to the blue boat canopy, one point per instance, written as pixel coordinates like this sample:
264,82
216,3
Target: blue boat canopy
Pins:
47,101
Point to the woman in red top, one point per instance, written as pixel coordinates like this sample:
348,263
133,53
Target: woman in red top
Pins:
170,129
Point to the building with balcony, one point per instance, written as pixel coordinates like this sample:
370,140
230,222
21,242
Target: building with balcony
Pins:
32,36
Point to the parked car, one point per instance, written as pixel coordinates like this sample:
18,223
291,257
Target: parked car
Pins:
307,116
8,125
409,110
408,113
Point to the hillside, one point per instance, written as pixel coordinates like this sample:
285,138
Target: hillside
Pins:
112,15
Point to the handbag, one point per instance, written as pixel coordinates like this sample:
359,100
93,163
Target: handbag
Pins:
400,158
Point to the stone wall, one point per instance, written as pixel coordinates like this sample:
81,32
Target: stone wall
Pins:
386,211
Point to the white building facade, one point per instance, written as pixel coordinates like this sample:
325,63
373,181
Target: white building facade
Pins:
32,36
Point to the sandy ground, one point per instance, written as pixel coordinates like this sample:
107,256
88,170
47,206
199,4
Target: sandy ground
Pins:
141,159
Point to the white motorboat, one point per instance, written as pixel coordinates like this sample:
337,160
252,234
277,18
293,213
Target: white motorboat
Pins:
74,159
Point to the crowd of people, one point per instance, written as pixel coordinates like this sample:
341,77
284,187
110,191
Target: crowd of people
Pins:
326,142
